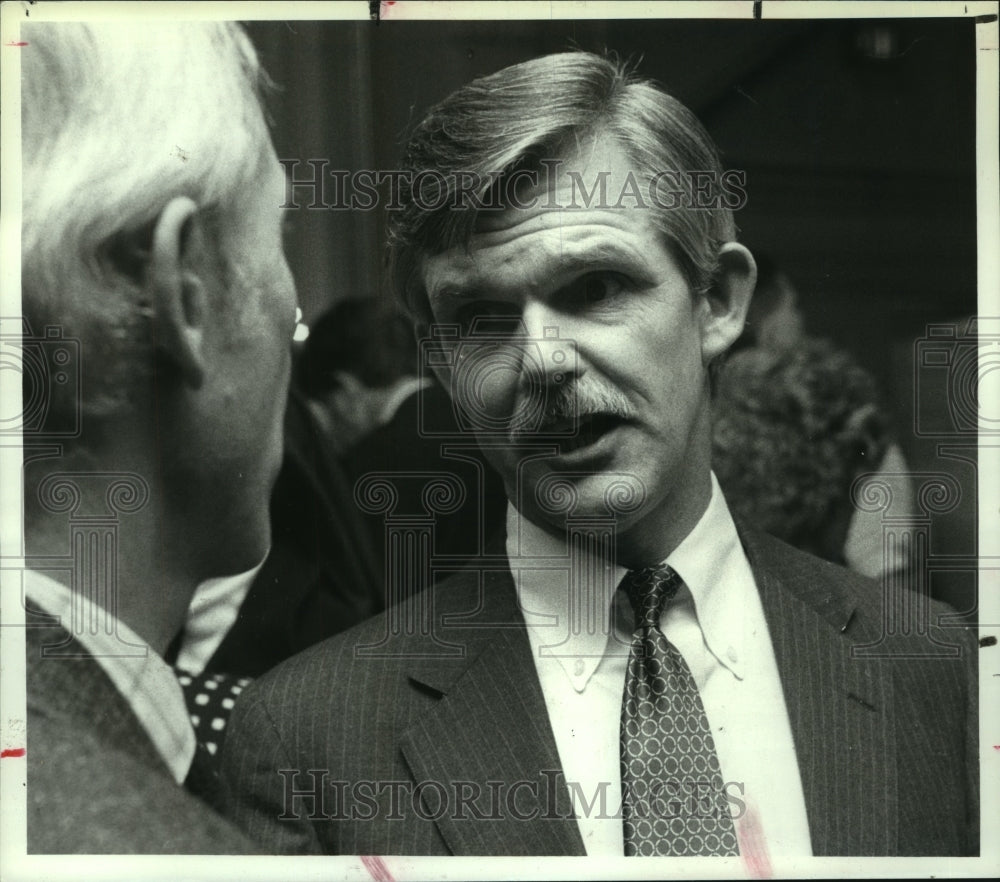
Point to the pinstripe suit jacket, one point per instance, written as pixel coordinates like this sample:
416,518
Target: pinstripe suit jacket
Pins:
96,784
326,752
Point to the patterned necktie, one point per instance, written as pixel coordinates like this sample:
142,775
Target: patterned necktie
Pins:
210,699
672,796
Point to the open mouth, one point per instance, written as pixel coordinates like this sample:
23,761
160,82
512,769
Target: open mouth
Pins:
590,428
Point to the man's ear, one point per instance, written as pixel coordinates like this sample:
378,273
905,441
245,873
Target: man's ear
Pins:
176,288
724,308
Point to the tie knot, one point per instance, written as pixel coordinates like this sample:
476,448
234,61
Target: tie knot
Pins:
649,590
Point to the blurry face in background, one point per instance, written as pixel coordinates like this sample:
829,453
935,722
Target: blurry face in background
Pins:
589,301
350,410
782,327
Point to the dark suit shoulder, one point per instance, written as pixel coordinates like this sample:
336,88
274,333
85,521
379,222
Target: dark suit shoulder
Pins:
793,563
96,784
85,797
854,603
444,624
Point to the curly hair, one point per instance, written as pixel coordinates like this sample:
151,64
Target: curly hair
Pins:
792,430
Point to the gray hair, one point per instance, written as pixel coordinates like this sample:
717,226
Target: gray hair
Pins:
117,119
534,111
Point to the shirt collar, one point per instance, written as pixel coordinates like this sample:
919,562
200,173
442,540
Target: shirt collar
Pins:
143,678
540,565
710,560
714,567
211,614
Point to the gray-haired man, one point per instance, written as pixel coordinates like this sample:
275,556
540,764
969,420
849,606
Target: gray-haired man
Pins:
154,280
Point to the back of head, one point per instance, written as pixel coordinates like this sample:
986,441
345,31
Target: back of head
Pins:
117,119
535,112
793,429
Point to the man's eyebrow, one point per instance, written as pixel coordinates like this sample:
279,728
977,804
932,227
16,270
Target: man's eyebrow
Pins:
453,293
451,283
610,253
574,259
587,255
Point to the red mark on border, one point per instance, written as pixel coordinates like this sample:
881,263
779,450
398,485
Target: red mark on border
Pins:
753,845
376,868
12,751
15,44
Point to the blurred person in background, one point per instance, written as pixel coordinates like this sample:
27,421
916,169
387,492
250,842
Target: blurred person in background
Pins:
774,320
360,367
357,366
793,429
775,325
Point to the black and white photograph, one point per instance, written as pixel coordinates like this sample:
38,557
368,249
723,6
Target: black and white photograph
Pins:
499,440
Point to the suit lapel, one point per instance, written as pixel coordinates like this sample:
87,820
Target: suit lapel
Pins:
491,729
840,708
491,724
73,690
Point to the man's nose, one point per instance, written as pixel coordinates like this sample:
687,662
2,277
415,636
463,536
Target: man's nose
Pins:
540,321
549,356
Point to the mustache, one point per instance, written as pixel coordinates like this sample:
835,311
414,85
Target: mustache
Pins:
566,404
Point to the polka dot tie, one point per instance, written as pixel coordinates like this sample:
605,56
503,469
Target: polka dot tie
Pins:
672,796
210,699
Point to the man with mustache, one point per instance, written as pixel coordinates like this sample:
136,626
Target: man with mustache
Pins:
626,671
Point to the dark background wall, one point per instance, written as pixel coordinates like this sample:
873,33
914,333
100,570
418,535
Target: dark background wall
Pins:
857,137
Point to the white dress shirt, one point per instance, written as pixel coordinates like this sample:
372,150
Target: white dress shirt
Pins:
210,616
716,622
144,679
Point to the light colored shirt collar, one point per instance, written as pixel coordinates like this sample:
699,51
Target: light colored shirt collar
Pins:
211,614
143,678
703,559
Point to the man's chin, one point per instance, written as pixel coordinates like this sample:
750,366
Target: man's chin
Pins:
241,561
554,496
